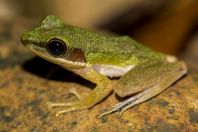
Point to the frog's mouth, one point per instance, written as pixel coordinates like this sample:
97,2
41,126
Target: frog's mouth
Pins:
64,61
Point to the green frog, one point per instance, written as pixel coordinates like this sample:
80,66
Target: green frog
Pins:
143,73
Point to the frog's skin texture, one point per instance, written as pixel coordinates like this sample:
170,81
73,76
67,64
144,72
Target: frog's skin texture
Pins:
98,58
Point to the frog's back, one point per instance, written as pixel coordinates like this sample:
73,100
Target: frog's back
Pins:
92,41
120,50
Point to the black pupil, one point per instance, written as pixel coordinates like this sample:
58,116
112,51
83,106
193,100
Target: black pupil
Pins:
56,47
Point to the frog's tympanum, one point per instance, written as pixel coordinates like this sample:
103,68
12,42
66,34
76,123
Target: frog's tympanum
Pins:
142,72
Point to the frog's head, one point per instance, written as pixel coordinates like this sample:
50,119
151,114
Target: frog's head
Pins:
50,41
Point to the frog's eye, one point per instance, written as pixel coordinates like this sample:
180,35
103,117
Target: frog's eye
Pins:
56,47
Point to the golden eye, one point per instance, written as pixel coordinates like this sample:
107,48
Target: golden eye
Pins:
56,47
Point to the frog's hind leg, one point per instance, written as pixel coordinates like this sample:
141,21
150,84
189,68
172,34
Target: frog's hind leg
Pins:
163,75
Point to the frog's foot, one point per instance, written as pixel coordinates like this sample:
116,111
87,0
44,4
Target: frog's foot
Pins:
72,91
121,106
70,106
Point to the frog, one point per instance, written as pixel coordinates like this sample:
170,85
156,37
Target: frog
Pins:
141,72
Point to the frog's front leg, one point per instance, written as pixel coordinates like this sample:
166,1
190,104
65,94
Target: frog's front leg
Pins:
103,88
148,80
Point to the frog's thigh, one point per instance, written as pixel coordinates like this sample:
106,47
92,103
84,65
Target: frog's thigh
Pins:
144,77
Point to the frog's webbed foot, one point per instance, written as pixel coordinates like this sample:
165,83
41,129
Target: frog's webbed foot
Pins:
69,104
122,106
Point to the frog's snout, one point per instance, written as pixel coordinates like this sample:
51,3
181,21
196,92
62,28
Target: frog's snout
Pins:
25,38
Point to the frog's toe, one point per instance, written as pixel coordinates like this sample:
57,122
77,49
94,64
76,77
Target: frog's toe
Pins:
70,106
65,111
107,112
115,108
51,105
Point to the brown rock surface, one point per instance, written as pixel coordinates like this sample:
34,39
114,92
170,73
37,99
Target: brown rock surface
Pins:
27,83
